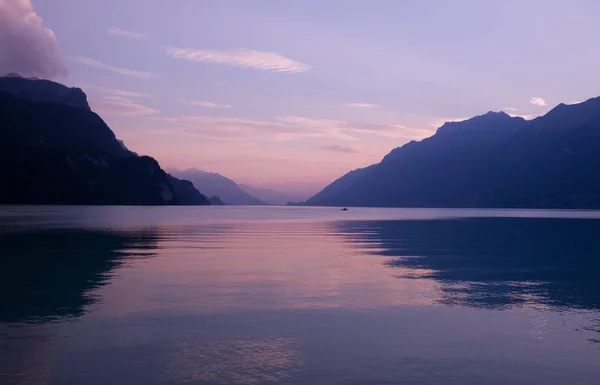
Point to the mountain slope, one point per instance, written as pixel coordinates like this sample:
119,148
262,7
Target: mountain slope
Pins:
54,150
40,90
186,192
213,184
492,160
269,196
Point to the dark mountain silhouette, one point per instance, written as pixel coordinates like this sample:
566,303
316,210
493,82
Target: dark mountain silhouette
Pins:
214,184
40,90
54,150
270,196
338,186
492,160
187,193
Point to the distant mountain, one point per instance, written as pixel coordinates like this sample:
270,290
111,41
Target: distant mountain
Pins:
55,150
213,184
216,201
187,193
270,196
492,160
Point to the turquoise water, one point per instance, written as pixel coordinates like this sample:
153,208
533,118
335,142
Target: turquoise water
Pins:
277,295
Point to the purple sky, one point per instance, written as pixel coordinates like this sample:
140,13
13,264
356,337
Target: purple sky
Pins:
293,94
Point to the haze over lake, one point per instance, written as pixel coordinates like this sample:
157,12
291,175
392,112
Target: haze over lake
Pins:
298,295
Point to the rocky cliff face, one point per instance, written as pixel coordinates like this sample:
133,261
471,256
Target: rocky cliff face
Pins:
55,150
40,90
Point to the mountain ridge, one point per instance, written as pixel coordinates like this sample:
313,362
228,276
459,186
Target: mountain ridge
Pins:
214,184
55,150
491,160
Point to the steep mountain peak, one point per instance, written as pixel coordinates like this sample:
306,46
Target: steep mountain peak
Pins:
565,116
41,90
488,120
496,114
490,116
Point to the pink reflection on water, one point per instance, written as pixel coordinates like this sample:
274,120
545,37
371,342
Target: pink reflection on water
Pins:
263,265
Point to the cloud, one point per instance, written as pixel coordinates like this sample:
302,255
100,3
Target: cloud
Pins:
26,47
119,105
121,71
119,102
524,116
518,113
538,101
203,104
116,31
245,58
116,92
283,128
362,105
342,149
349,128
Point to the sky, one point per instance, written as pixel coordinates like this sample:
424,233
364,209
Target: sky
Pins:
293,94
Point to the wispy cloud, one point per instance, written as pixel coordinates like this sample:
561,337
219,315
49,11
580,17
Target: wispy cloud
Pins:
362,105
342,149
112,101
245,58
283,128
350,128
510,109
116,31
118,70
203,104
123,106
249,130
538,101
116,92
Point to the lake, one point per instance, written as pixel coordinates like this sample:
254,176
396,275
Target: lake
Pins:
293,295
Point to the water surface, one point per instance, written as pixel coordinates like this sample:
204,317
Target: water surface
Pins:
265,295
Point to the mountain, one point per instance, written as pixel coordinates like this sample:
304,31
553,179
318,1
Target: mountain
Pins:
213,184
187,193
40,90
270,196
338,186
216,201
55,150
492,160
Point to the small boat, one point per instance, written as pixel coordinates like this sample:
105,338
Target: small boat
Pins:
344,209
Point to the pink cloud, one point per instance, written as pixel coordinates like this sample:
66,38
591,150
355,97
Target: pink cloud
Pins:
246,58
342,149
26,47
118,70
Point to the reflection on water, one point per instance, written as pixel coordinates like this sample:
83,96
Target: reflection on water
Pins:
49,274
237,362
495,262
298,296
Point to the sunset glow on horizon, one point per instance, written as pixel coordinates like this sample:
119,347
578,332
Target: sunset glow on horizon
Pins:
292,95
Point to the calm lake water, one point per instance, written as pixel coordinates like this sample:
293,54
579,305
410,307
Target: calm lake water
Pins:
268,295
